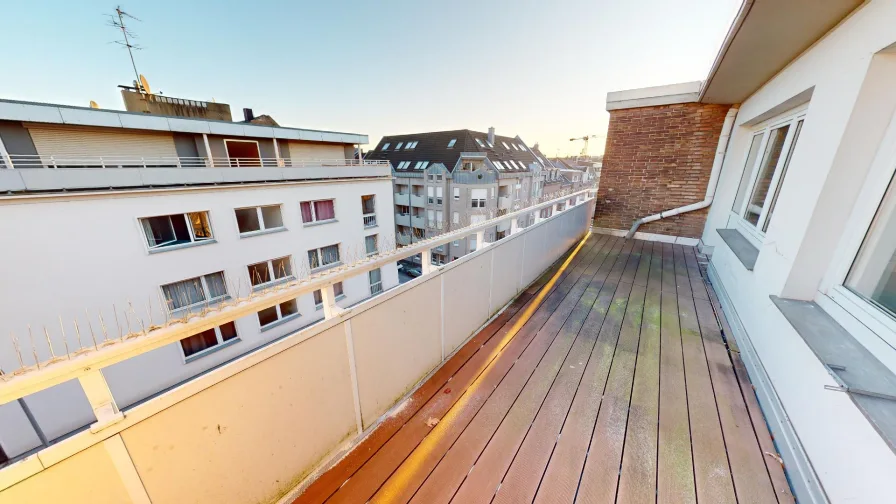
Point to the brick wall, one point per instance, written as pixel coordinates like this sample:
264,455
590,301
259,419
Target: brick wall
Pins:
658,158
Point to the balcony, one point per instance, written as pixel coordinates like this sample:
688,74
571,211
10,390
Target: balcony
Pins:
505,202
562,385
21,173
418,222
418,200
369,220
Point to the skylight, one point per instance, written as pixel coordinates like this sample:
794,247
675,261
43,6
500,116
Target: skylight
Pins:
522,147
398,147
491,145
451,143
506,146
499,165
479,141
386,146
411,145
424,165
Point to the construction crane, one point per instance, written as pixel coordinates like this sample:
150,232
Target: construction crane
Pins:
585,139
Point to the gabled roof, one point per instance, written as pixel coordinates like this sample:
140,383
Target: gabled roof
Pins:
433,147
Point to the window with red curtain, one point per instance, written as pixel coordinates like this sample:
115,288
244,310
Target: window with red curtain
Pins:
313,211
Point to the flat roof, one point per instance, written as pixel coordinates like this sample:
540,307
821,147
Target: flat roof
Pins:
12,110
685,92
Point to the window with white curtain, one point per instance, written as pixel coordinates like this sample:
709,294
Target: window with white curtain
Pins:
370,244
177,229
195,291
375,279
323,257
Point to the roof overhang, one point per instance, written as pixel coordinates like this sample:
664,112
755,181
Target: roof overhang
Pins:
765,37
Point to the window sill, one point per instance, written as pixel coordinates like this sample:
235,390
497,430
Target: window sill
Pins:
210,350
280,322
338,299
256,288
263,232
182,246
745,251
319,223
326,267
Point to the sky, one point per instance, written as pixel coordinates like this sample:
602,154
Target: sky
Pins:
537,69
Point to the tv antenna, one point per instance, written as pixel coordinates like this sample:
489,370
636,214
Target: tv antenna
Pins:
117,21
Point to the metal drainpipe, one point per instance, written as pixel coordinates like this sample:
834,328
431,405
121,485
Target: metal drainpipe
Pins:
721,149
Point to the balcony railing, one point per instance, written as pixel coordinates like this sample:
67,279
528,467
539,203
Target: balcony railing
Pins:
369,220
55,162
336,379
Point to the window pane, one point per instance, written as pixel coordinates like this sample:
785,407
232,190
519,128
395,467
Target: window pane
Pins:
247,220
267,316
337,289
201,228
771,207
158,231
324,210
370,244
375,276
199,342
288,308
306,212
873,274
228,331
184,293
329,255
318,297
766,172
181,230
216,286
271,216
313,260
282,267
259,273
368,204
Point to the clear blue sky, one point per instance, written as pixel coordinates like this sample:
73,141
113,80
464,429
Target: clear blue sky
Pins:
534,68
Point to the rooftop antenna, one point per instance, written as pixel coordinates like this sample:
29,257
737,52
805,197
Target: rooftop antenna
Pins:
117,21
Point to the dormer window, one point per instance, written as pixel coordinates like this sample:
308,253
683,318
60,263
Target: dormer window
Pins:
451,143
385,146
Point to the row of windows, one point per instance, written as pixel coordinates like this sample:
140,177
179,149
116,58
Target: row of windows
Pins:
194,227
407,146
199,344
421,165
510,165
482,143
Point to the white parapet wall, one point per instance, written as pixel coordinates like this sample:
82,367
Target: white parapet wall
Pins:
252,429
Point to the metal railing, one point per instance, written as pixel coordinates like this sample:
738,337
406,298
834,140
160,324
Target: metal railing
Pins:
369,220
94,351
64,161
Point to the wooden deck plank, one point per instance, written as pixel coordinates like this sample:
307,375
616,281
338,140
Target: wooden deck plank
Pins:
371,475
490,464
585,373
712,473
601,473
637,478
530,343
561,478
682,281
331,480
675,468
698,287
751,479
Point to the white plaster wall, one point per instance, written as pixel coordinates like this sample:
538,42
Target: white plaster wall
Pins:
851,460
89,252
311,150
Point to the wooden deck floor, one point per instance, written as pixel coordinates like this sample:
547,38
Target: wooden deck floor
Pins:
608,380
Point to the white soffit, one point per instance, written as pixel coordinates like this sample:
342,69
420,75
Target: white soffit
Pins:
765,37
686,92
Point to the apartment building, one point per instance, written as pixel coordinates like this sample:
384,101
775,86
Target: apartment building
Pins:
450,179
780,164
115,221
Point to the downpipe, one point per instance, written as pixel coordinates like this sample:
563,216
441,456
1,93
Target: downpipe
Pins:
721,149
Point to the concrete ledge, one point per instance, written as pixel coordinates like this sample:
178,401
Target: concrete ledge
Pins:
745,252
686,92
678,240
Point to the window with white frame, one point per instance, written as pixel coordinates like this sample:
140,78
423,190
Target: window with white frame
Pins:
873,272
323,257
194,292
456,193
286,310
375,279
477,198
431,217
764,170
451,143
267,272
338,294
455,218
318,211
176,229
196,345
370,244
439,195
430,194
256,219
439,216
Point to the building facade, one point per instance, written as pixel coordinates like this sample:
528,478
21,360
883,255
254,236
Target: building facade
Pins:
118,221
450,179
781,165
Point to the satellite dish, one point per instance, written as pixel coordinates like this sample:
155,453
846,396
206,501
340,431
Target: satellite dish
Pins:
93,104
144,84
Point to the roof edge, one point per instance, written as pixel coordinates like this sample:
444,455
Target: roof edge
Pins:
685,92
733,30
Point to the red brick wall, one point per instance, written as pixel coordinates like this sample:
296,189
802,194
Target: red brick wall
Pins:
658,158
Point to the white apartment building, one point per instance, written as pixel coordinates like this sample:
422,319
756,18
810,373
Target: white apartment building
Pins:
112,221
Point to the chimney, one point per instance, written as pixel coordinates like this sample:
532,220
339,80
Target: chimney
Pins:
491,136
248,115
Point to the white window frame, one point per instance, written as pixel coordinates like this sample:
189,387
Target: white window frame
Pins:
193,239
280,318
205,292
337,298
456,193
272,272
375,287
314,219
754,233
217,346
263,227
322,266
376,244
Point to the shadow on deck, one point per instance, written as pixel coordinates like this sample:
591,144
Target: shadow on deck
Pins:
608,380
